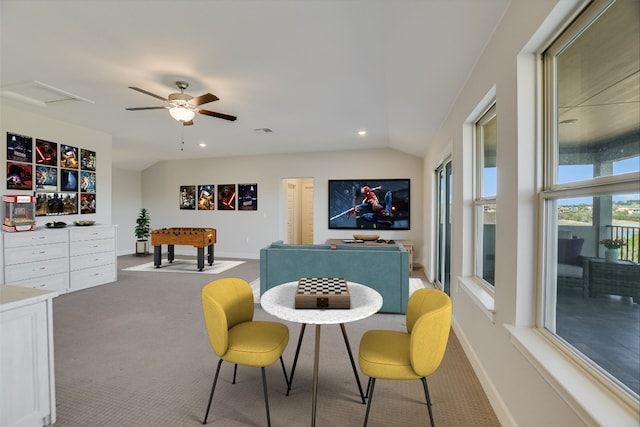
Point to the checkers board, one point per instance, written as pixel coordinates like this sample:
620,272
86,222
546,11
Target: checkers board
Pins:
322,292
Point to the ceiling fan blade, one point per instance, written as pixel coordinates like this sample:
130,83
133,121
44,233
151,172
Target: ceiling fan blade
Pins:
189,123
218,115
146,108
204,99
148,93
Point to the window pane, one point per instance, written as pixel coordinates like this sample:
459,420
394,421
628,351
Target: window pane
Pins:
598,95
576,211
489,243
489,170
596,307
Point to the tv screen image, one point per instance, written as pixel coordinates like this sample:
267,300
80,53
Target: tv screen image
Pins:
378,204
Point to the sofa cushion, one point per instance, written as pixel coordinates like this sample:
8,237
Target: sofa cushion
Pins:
569,250
290,246
568,270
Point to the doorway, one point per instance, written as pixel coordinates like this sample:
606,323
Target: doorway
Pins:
299,208
443,226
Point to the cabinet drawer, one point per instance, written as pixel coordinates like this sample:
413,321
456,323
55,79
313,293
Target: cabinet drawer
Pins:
54,282
33,253
19,272
92,246
77,234
26,238
81,279
91,260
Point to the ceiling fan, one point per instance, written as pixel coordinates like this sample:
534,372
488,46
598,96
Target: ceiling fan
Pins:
183,107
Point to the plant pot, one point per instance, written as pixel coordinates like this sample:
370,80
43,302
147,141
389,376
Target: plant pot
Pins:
142,247
611,255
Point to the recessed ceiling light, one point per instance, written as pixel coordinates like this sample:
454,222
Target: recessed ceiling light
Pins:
362,132
202,144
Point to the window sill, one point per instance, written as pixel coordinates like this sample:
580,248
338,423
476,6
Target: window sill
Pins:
479,295
594,403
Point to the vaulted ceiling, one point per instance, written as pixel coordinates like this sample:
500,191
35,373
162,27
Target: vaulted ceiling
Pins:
313,72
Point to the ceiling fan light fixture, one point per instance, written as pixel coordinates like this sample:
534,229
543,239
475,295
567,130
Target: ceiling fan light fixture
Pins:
182,114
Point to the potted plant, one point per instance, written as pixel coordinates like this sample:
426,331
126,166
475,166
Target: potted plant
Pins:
612,253
142,232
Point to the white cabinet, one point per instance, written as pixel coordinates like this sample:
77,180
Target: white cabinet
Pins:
92,256
62,260
27,377
37,259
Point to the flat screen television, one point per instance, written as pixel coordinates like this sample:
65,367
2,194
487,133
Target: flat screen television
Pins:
377,204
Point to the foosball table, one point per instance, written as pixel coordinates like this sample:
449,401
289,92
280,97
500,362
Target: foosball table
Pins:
198,237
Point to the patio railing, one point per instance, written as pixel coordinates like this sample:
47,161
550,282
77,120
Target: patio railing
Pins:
631,235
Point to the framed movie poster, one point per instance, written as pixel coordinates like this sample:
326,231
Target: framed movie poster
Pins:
46,152
87,160
46,178
68,180
247,197
87,203
206,197
356,204
68,157
87,182
227,197
188,197
56,204
19,176
19,148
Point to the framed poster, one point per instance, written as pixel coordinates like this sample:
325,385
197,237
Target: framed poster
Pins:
68,157
68,180
227,197
188,197
247,197
19,148
46,152
46,178
356,204
87,160
56,204
87,182
87,203
19,176
206,197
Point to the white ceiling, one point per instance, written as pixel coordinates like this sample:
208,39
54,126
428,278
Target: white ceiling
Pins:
313,71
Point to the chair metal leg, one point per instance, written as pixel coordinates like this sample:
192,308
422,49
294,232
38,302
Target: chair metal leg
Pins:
372,383
235,371
295,359
368,387
426,395
266,397
213,387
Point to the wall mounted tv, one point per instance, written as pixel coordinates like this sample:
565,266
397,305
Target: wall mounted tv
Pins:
377,204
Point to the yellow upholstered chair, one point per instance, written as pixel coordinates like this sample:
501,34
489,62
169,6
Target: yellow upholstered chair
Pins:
235,337
411,355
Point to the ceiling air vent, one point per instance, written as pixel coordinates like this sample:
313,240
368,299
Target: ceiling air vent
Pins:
40,94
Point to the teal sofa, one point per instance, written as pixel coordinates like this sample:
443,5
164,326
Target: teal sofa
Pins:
383,268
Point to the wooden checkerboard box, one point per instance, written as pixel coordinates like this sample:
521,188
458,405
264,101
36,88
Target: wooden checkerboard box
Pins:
322,292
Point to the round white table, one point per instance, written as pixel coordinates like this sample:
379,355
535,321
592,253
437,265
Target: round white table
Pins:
279,301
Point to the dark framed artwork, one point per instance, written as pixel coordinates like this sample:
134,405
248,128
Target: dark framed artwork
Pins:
87,182
227,197
87,160
19,176
188,197
46,178
247,197
69,157
382,204
87,203
68,180
206,197
56,203
19,148
46,152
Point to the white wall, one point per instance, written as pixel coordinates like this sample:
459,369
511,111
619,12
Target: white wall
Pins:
24,123
127,201
243,233
520,393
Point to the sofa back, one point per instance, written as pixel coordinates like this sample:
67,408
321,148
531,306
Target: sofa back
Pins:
383,268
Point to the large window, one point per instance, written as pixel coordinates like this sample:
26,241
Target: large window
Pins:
591,196
486,182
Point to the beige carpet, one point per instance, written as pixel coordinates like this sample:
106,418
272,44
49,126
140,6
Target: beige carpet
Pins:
135,353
